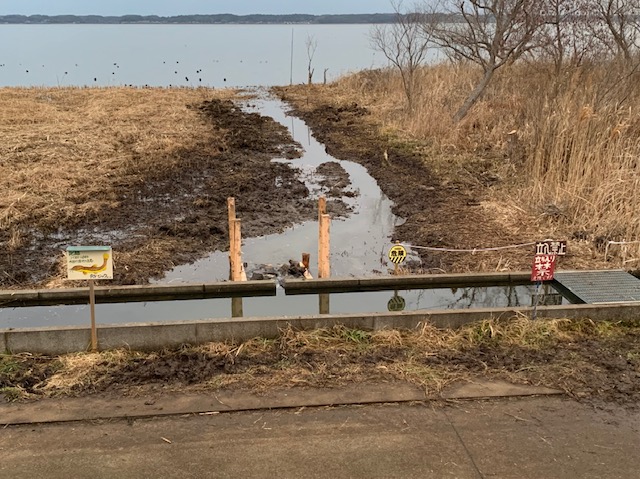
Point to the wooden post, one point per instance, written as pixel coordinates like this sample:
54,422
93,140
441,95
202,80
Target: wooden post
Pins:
231,207
306,259
236,262
236,307
324,270
322,207
92,307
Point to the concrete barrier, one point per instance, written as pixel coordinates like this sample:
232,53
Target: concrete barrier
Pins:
114,294
335,285
149,336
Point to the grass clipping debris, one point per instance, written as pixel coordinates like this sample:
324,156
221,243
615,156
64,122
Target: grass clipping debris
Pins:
586,359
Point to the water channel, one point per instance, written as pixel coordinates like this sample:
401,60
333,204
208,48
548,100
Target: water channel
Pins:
359,245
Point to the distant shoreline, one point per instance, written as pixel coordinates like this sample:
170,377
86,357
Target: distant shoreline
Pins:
217,19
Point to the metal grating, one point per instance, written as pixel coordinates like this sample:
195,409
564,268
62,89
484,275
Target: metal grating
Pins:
600,287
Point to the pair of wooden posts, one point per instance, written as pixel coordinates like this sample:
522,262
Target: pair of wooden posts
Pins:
237,272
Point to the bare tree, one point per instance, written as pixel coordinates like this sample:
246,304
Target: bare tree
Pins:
312,45
567,37
622,21
489,33
404,44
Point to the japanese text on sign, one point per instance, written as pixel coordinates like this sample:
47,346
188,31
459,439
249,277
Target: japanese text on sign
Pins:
544,266
551,247
89,262
397,254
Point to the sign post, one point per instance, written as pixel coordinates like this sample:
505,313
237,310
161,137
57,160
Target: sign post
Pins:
90,263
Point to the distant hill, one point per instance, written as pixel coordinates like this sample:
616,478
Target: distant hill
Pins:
200,19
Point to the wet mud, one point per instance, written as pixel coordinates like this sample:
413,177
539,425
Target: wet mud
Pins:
178,213
598,370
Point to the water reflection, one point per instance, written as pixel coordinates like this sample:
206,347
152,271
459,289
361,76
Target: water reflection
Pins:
279,305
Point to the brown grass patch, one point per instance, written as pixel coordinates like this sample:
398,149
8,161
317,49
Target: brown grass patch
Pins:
584,358
65,151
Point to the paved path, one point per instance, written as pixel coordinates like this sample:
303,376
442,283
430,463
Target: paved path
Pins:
542,437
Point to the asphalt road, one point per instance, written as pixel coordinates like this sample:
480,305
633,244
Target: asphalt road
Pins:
545,437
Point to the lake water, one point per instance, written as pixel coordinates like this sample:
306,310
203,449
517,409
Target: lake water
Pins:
179,55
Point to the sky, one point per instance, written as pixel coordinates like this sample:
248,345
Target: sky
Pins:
189,7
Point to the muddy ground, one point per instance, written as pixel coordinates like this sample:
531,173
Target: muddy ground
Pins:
598,364
446,204
174,215
179,215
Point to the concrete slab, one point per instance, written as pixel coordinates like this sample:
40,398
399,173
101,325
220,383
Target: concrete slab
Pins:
94,408
484,388
549,438
351,442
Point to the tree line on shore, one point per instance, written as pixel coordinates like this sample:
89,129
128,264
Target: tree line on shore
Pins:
199,19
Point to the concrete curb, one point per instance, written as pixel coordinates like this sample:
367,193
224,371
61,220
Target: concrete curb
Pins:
98,408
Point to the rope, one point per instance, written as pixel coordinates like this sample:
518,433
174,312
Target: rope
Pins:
474,250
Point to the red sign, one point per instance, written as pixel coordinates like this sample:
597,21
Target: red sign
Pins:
544,266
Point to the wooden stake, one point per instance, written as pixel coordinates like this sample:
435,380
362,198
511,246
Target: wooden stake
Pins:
322,207
231,207
92,307
306,259
324,270
236,262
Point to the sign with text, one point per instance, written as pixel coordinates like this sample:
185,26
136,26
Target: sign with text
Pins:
548,247
89,262
544,266
397,254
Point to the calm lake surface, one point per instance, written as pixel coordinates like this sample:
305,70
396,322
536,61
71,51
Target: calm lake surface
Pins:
179,55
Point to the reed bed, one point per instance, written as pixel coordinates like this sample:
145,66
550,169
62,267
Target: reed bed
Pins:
567,145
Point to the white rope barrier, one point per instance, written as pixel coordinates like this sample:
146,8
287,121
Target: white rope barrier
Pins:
474,250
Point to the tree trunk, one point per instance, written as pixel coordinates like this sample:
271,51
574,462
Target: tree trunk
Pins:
474,96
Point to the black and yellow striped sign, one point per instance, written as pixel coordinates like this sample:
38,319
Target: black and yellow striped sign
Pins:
397,254
397,303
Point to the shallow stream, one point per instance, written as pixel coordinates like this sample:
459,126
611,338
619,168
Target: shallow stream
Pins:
359,245
359,242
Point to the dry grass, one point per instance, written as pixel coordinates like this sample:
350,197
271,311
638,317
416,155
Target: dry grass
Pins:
517,349
65,152
567,146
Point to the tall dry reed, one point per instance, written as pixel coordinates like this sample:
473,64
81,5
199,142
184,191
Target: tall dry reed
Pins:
573,140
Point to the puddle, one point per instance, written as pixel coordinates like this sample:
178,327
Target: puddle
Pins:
359,241
279,305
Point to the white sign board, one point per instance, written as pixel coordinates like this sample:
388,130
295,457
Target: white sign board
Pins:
89,262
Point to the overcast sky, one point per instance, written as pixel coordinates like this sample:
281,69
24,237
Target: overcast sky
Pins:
187,7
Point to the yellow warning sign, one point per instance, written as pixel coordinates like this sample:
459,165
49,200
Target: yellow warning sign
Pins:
397,254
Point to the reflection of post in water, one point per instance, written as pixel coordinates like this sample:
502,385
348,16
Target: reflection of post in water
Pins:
324,303
236,307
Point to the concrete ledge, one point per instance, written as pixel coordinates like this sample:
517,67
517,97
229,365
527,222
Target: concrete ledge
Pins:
111,294
148,336
215,402
301,286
